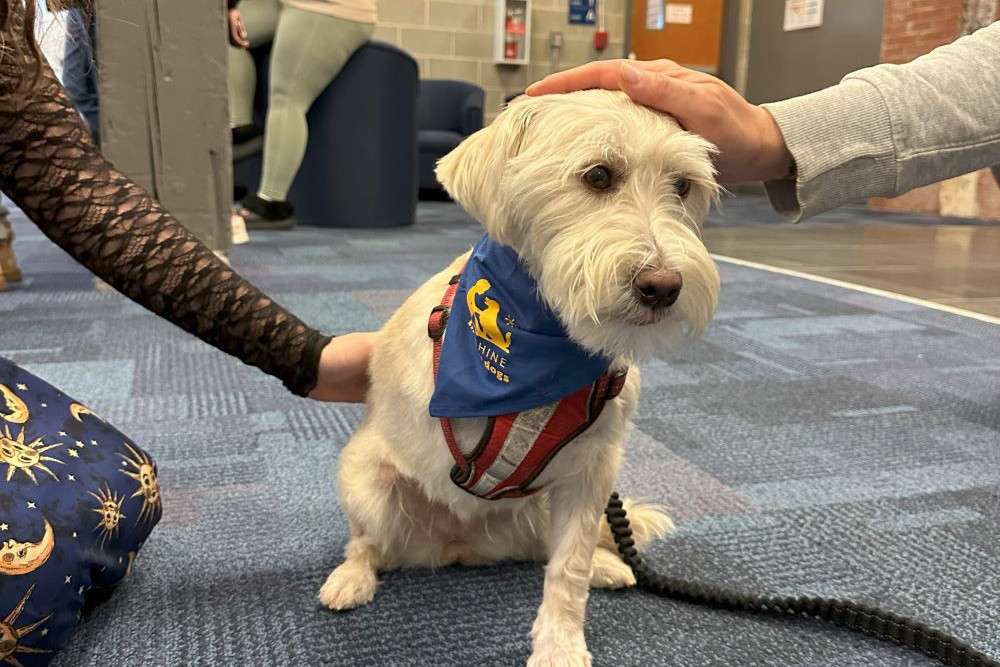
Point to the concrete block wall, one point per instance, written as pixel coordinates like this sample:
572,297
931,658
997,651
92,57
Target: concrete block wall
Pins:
164,113
453,39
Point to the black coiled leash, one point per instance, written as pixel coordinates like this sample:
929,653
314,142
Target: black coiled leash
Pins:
872,621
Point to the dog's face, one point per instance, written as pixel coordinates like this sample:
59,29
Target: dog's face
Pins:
603,201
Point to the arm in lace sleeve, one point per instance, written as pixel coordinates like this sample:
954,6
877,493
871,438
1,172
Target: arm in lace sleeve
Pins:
55,174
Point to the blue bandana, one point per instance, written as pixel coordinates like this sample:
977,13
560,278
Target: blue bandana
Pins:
504,350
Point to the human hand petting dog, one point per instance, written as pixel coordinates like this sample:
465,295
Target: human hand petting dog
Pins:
751,147
343,368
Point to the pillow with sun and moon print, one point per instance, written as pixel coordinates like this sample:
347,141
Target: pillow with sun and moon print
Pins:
77,500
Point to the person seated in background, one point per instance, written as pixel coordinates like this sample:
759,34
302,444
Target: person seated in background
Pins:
312,41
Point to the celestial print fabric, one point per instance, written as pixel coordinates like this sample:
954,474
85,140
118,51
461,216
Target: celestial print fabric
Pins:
77,500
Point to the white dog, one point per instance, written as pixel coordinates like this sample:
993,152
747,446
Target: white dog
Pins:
602,200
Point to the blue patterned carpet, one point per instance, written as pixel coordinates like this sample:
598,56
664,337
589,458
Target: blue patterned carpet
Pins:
819,440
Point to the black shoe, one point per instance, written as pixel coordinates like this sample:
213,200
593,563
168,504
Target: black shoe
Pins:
263,214
248,140
245,133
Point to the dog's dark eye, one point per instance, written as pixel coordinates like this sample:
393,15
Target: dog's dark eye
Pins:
682,187
598,178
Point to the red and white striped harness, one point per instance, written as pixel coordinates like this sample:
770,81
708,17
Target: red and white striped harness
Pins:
516,447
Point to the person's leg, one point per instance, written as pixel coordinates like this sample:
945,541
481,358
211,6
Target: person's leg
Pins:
79,77
4,231
261,19
9,271
309,51
91,103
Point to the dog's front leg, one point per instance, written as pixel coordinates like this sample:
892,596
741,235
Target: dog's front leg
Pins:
576,506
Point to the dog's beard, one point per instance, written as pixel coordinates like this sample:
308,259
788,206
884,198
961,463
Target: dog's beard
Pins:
587,279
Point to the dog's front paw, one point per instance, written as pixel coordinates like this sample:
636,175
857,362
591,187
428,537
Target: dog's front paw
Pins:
567,648
348,587
560,656
609,571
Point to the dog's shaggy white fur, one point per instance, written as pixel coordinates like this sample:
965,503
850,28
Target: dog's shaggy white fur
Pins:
523,178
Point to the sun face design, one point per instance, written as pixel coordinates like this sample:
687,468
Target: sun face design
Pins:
149,486
10,636
19,455
110,511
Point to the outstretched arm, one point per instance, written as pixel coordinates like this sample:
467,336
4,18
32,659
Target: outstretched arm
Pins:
888,129
55,174
882,131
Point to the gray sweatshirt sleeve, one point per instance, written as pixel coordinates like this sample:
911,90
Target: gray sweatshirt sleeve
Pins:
885,130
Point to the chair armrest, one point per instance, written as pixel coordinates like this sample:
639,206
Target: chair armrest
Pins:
471,114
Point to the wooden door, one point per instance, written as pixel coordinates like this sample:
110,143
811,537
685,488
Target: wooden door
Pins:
687,32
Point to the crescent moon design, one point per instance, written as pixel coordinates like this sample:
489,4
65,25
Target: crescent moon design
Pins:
12,408
24,557
76,409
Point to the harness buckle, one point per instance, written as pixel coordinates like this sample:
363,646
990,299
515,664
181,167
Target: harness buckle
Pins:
438,322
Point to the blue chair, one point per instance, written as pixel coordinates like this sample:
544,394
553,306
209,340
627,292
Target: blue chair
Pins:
448,112
360,166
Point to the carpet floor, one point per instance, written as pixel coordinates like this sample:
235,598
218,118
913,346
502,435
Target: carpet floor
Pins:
817,441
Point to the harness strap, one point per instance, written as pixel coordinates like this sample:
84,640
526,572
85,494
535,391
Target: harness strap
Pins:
435,329
515,448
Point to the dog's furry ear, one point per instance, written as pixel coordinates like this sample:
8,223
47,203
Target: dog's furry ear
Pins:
473,171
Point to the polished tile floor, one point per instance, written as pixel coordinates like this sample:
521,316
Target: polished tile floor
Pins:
955,262
950,263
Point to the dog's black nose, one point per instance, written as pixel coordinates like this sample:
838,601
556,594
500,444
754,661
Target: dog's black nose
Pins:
657,289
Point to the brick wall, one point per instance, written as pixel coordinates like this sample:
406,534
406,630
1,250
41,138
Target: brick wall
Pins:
914,27
911,29
453,39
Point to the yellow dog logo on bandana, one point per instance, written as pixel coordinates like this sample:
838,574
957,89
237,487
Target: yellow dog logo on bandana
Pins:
484,321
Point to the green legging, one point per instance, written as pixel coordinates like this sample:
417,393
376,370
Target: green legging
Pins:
309,51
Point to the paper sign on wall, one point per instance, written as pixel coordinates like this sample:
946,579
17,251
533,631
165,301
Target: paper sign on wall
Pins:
583,11
654,14
800,14
680,12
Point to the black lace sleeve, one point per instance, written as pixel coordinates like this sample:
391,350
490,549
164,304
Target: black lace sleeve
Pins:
55,174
